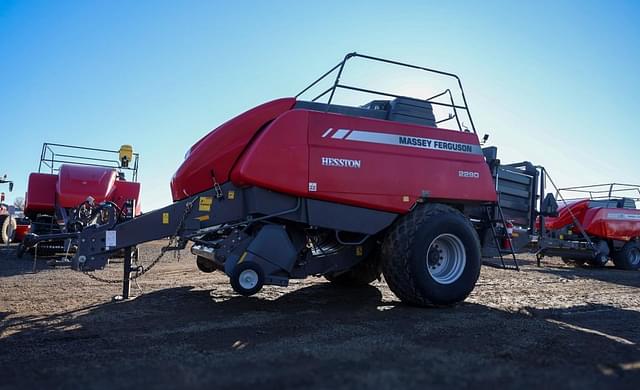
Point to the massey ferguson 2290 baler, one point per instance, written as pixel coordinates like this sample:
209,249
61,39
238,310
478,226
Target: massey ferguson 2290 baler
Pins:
293,188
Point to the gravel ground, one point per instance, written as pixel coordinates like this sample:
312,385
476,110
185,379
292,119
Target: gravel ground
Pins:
554,326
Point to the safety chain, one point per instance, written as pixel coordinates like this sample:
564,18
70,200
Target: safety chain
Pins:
102,280
141,270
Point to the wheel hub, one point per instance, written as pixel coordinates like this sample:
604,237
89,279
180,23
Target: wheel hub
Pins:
248,279
446,258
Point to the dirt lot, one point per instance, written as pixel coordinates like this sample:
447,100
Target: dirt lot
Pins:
554,326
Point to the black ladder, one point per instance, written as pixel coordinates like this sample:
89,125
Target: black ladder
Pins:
492,223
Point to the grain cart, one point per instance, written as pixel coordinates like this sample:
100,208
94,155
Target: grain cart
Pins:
69,181
595,223
295,187
7,221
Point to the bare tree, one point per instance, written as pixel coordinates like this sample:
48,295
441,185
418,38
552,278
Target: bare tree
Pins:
19,203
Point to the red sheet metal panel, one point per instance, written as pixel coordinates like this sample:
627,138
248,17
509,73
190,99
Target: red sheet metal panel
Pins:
216,152
365,162
41,194
76,183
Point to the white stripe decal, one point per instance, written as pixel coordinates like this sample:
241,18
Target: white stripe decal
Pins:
635,217
340,133
326,133
410,141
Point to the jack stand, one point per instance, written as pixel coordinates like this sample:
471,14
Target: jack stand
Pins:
126,277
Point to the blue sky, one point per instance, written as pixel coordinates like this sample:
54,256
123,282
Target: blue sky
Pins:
552,82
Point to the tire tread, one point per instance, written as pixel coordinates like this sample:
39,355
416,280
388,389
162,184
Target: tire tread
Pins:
396,248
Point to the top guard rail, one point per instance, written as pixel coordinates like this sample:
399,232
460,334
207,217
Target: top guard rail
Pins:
340,67
606,191
53,155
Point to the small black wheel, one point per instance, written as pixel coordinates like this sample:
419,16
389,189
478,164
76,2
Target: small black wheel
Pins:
205,265
628,257
247,278
361,274
431,256
602,255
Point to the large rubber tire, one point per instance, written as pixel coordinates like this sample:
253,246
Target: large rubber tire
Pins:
361,274
7,228
3,218
405,262
628,257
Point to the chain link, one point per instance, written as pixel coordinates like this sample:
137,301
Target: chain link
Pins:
141,270
99,279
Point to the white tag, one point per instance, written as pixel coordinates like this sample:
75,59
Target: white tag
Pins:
110,238
313,187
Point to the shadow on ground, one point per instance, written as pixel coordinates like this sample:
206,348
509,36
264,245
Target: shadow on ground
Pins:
11,265
317,336
607,274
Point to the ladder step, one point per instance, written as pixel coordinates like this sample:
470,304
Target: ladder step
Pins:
495,237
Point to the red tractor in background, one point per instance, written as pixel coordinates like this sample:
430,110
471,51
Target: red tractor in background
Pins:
70,179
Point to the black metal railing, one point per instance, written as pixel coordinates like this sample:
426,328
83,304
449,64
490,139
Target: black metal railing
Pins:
54,155
607,191
337,85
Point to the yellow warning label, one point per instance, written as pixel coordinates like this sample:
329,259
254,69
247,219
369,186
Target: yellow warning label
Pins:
242,257
203,218
358,251
165,218
231,195
205,203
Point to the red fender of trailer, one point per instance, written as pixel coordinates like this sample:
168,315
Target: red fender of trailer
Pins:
218,151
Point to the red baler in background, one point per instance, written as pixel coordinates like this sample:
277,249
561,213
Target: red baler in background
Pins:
602,216
70,179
